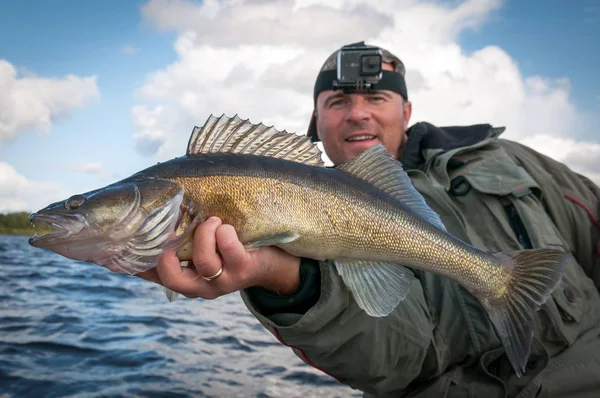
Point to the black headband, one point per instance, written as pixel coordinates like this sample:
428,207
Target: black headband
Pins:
392,81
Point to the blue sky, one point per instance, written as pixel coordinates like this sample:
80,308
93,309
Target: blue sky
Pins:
553,39
53,39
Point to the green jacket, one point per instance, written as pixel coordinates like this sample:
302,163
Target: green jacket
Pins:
499,196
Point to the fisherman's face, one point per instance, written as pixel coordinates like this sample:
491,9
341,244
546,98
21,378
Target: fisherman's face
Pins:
348,124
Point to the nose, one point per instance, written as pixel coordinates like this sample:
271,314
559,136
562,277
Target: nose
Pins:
357,112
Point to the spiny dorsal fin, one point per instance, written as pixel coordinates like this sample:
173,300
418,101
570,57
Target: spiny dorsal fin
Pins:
235,135
379,168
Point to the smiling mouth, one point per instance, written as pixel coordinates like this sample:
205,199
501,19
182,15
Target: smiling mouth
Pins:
365,137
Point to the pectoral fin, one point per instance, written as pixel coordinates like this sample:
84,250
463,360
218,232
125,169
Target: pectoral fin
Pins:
172,295
377,287
272,240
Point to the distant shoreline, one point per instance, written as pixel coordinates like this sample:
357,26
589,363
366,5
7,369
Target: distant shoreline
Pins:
17,231
17,224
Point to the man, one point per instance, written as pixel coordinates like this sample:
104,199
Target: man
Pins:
492,193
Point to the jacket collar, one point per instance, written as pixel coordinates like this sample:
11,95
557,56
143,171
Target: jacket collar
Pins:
425,139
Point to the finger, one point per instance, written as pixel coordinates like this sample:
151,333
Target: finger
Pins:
150,275
232,250
204,252
179,279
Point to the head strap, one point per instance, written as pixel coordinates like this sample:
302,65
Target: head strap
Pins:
392,81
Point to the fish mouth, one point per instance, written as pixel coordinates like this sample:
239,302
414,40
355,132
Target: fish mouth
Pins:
63,226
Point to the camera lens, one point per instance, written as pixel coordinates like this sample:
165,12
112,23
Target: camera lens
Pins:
370,65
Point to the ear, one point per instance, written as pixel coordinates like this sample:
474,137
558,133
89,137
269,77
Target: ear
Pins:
407,111
313,123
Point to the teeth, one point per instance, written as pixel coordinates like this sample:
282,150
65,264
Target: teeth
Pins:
361,138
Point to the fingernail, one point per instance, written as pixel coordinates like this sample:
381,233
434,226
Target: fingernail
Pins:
213,219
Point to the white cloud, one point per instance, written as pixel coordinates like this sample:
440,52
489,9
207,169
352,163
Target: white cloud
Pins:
30,101
17,193
192,88
581,156
156,129
92,168
259,59
271,22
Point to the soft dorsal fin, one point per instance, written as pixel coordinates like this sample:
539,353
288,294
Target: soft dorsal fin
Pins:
235,135
379,168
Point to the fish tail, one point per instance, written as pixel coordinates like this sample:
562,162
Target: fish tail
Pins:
534,275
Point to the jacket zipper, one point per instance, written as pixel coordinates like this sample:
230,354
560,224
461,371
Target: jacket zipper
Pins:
517,225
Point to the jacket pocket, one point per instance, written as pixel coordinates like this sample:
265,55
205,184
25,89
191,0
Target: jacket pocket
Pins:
574,308
574,374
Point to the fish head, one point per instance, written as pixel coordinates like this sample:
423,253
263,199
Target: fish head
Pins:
121,226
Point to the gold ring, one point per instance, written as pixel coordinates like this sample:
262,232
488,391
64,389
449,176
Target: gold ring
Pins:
215,276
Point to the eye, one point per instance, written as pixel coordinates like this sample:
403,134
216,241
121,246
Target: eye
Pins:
337,102
377,98
74,202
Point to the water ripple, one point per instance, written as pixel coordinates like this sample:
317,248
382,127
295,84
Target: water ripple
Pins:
73,329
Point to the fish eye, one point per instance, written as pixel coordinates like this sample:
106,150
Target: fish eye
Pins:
74,202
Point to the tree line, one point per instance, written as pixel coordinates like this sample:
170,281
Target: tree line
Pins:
18,224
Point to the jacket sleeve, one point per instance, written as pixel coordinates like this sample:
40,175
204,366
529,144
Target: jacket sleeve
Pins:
580,222
573,202
376,355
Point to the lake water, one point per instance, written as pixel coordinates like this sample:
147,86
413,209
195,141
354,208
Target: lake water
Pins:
73,329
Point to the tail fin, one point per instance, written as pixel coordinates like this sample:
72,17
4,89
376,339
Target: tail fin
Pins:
535,274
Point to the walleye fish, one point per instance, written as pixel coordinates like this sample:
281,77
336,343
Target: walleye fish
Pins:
364,216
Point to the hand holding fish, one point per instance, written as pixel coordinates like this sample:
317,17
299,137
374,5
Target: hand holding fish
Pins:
216,246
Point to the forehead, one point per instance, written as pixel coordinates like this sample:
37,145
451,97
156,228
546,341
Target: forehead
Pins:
325,95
